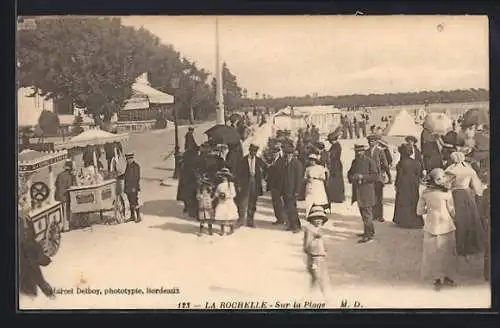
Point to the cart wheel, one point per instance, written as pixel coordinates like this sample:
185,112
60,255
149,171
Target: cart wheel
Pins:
52,240
119,210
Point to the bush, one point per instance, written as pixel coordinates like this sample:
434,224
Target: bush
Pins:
77,128
48,123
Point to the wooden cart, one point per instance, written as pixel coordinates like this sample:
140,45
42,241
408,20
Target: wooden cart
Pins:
106,196
100,198
36,181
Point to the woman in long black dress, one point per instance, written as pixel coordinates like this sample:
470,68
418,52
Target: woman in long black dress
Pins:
336,189
187,187
409,173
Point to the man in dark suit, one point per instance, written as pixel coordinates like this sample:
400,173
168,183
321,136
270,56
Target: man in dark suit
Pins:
64,181
362,175
377,154
132,178
290,181
250,172
189,142
273,184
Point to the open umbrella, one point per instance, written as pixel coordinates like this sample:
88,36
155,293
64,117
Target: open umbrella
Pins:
439,123
235,117
476,116
224,134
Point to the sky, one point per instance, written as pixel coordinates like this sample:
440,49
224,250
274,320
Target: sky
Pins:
334,55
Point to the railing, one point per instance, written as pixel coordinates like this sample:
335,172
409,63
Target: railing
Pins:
134,126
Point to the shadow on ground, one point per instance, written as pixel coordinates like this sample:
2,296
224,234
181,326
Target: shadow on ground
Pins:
163,208
180,227
393,258
163,168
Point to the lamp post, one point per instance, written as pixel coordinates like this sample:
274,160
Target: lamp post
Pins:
175,84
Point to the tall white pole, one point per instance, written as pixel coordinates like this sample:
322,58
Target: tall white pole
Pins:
218,77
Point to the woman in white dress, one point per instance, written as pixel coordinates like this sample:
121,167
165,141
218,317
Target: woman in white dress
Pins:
315,178
226,212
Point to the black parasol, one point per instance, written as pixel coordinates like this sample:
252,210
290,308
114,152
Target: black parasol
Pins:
224,134
235,117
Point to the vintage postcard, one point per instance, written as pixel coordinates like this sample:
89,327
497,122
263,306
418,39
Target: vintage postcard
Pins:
253,162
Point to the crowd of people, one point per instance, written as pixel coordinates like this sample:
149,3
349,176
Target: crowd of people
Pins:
453,209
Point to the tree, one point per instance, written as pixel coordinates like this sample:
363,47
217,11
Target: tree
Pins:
92,61
77,124
48,123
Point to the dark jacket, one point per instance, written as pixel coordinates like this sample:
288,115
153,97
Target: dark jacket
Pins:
432,156
189,142
273,175
243,174
363,190
64,180
290,177
378,156
132,177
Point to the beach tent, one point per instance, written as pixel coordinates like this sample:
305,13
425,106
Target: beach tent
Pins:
289,119
325,118
403,125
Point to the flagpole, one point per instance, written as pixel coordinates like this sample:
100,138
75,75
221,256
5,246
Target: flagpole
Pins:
218,77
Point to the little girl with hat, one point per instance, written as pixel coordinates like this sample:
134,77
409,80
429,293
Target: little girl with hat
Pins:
315,250
226,211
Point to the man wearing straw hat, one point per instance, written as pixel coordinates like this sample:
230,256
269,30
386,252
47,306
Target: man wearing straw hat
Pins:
132,178
362,175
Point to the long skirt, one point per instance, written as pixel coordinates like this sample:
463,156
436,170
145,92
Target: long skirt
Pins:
470,233
316,195
439,256
336,188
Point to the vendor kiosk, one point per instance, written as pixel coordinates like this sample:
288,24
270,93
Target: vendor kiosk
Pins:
36,181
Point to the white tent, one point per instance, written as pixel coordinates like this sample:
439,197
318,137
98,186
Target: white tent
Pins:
92,137
325,118
403,125
154,96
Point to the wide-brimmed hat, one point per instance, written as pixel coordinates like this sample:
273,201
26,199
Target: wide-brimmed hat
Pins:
335,134
225,172
129,155
313,156
373,137
317,212
411,139
320,145
359,147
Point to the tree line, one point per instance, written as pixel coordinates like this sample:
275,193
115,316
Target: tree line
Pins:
94,62
373,100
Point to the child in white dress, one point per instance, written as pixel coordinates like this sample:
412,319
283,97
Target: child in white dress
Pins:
226,211
314,248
